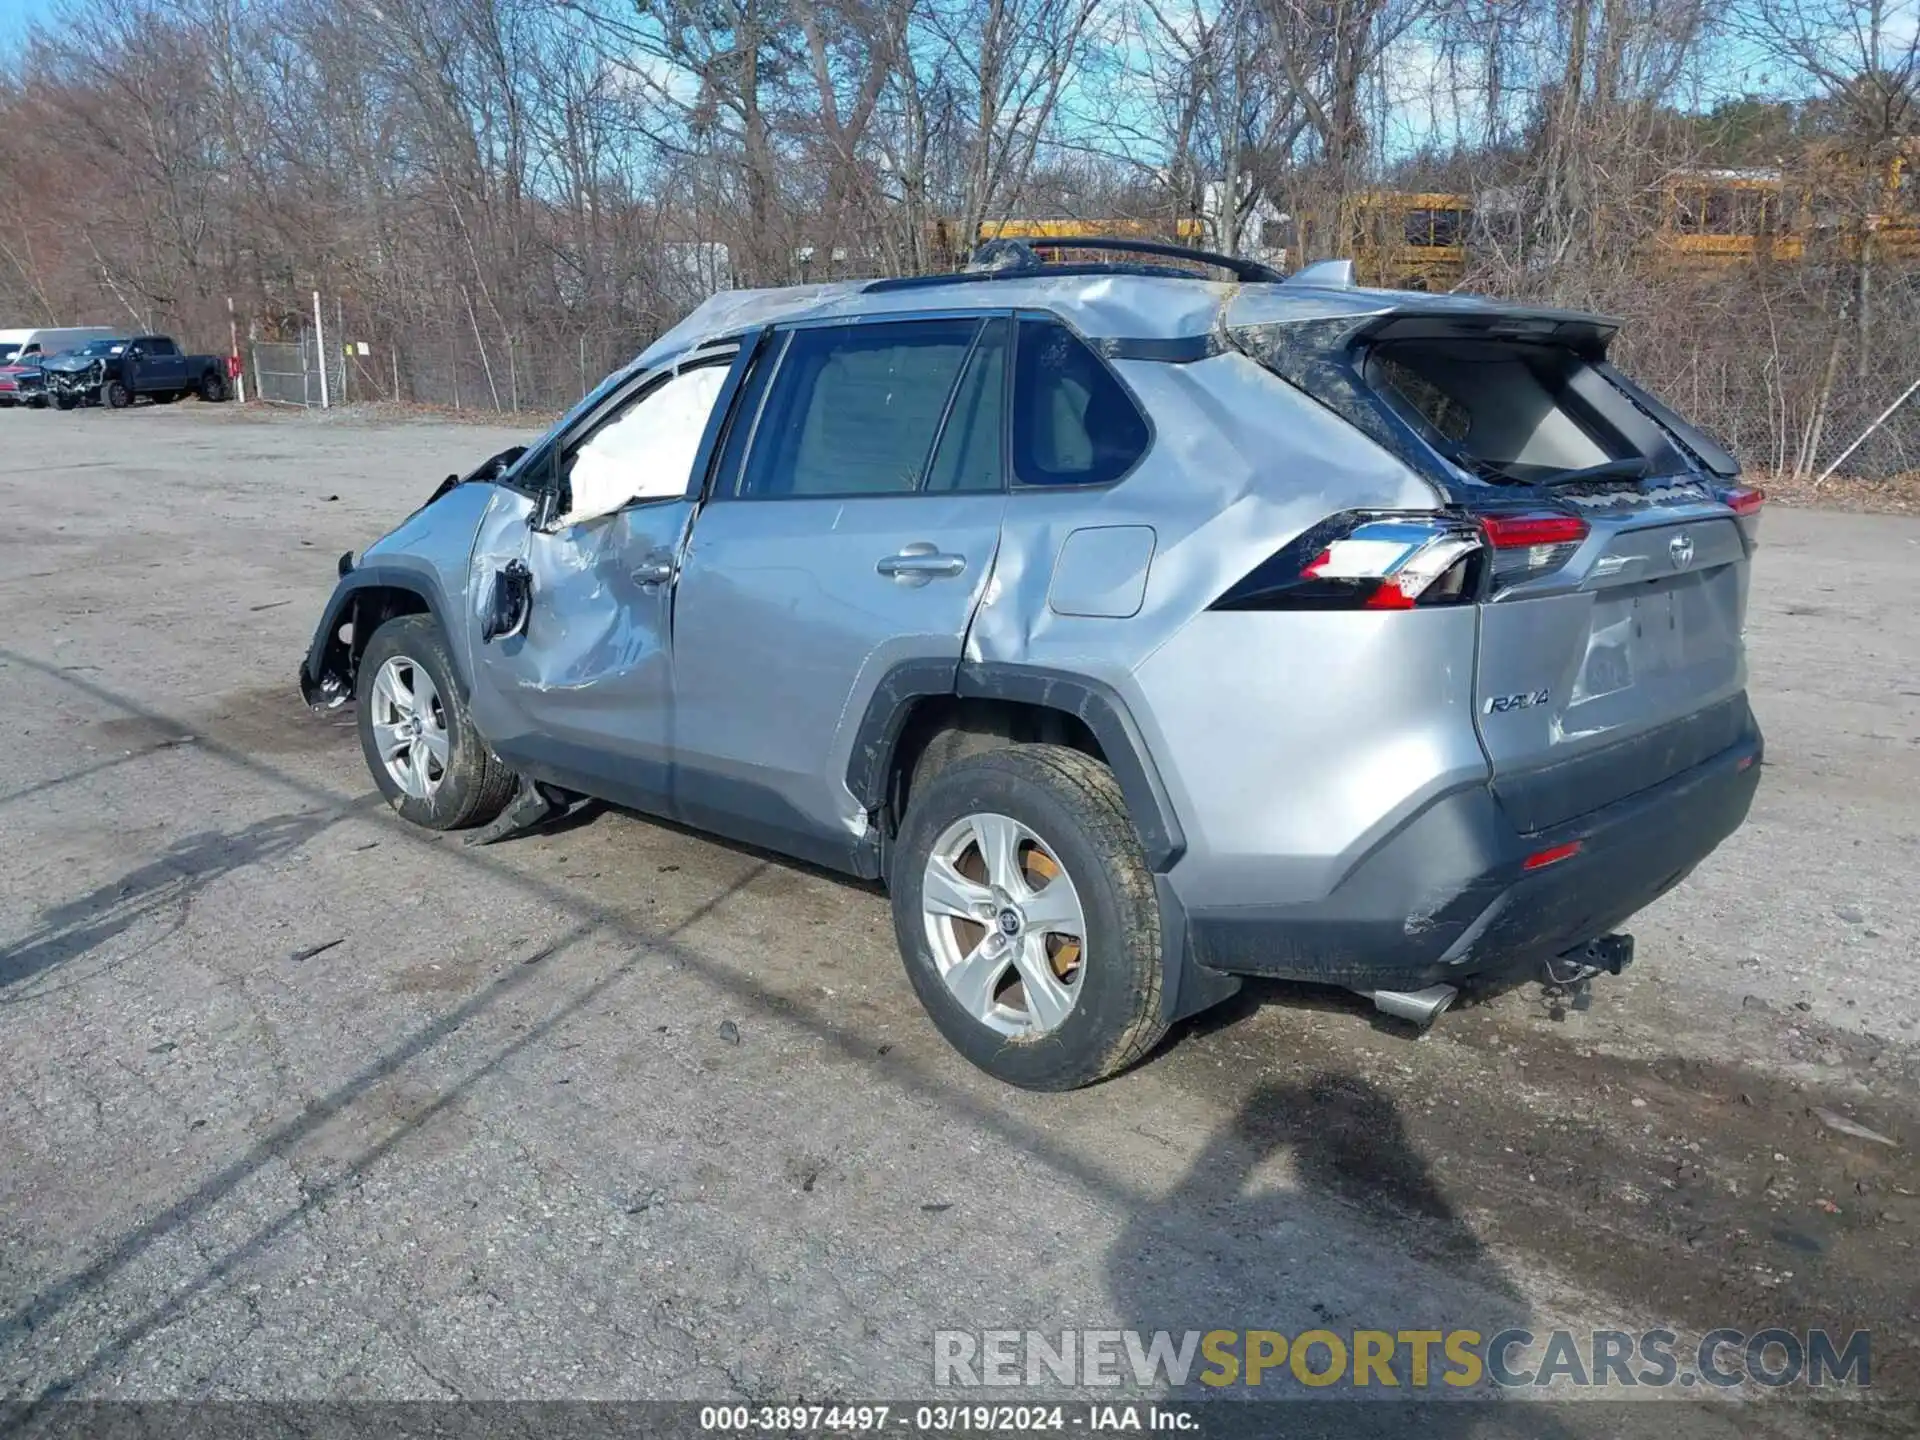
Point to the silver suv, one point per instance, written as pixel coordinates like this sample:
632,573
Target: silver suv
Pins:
1141,630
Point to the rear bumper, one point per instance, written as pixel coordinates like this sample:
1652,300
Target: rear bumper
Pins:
1447,897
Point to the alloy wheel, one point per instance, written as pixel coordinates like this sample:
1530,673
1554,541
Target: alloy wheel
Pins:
1006,925
410,727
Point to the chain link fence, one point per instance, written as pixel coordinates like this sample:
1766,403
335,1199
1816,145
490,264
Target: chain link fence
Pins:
290,372
445,372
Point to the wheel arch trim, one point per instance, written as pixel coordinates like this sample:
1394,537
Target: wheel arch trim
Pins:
1099,706
328,657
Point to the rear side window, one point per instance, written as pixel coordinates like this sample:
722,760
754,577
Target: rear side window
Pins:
1073,422
855,410
161,345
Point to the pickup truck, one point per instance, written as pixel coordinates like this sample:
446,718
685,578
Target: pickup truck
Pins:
115,373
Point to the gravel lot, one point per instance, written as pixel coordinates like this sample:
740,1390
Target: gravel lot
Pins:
298,1103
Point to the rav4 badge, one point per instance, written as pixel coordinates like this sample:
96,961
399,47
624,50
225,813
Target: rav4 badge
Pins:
1525,700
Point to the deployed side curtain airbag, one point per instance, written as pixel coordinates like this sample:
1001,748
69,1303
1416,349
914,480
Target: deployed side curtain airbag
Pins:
648,453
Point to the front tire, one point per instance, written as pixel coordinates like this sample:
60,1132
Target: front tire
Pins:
64,401
419,743
115,395
1027,917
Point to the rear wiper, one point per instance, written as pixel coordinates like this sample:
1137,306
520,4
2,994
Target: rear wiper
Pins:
1636,468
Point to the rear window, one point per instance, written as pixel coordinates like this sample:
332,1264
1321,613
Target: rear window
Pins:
1506,410
1073,422
1413,391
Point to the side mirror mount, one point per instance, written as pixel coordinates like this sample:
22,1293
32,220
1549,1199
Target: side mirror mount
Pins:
494,466
510,605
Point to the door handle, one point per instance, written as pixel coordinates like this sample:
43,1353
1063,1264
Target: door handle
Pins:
653,572
920,562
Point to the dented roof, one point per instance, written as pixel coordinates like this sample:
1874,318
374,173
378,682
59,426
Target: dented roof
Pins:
1103,306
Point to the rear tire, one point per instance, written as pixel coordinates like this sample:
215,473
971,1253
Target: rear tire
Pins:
213,387
1071,822
457,781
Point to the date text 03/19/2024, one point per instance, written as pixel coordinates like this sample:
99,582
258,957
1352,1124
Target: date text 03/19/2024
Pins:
958,1418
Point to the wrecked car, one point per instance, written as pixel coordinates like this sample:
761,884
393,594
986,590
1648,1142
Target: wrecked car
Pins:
1140,629
115,373
23,383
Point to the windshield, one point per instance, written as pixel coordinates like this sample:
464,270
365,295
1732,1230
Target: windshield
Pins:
101,347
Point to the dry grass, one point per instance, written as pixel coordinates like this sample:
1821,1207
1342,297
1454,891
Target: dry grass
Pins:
1895,495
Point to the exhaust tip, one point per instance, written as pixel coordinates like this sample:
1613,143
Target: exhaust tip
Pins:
1417,1007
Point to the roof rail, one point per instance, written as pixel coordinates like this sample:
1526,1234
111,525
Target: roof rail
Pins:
1051,272
995,253
1330,274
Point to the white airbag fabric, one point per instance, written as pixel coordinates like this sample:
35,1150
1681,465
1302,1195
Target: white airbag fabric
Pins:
648,453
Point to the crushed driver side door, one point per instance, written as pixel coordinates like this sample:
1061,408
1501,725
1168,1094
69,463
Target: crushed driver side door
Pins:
571,585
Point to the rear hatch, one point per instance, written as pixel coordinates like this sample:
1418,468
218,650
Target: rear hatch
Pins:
1619,670
1610,617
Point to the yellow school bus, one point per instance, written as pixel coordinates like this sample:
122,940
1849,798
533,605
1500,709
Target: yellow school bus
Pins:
1724,217
1410,239
1895,220
1184,231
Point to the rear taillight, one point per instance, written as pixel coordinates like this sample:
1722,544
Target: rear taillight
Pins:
1745,502
1364,560
1530,543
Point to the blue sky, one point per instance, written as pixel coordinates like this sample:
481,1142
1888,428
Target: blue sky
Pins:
14,15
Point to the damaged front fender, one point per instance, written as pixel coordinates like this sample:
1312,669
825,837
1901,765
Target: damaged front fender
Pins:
361,603
418,569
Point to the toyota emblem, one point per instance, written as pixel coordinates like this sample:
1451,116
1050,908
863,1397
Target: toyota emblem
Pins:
1680,551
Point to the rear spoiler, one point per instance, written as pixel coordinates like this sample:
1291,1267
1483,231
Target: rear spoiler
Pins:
1325,292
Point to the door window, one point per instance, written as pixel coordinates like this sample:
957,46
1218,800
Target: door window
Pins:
855,409
644,448
1073,421
972,451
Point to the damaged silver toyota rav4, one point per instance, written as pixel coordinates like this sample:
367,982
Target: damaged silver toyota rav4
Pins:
1139,630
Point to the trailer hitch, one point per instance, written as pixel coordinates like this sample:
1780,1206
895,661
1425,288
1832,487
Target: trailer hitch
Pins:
1571,972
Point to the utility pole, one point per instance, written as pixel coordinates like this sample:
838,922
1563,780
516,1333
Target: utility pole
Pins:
320,348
